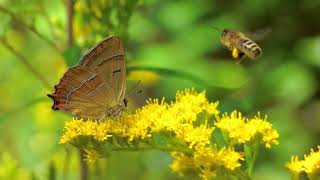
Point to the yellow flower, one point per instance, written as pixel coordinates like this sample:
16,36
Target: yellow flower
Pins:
242,130
207,173
183,127
310,164
262,126
178,118
195,135
295,166
235,126
206,161
76,128
230,158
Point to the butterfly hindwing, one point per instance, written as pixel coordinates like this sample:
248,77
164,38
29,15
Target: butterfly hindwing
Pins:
83,93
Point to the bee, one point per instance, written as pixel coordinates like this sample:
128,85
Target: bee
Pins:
240,44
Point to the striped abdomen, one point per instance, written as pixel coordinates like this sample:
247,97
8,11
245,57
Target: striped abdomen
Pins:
250,48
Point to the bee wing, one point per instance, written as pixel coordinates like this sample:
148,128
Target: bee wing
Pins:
260,34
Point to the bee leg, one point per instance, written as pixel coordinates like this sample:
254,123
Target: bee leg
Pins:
239,61
241,57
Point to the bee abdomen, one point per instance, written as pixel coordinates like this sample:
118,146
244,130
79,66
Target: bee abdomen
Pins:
250,48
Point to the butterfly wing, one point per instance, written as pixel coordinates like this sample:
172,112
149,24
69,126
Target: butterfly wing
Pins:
83,93
108,60
98,83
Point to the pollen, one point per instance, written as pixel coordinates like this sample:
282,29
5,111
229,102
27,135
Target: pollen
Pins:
235,53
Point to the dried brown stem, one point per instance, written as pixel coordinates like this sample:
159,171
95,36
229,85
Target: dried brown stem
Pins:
70,13
83,166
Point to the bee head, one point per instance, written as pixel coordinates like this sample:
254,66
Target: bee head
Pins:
227,32
225,37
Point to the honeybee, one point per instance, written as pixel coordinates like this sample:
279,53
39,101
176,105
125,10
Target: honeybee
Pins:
240,44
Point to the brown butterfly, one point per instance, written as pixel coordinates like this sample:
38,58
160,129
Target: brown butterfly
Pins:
96,87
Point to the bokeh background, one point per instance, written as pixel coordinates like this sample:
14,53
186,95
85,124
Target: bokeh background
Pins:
171,45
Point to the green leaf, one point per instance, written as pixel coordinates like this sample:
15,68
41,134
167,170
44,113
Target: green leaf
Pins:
160,139
217,137
72,55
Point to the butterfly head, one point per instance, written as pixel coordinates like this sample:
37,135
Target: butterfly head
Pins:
117,109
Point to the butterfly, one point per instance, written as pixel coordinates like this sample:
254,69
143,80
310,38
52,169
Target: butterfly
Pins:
96,87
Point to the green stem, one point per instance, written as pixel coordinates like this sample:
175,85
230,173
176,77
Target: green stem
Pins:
154,147
251,165
253,156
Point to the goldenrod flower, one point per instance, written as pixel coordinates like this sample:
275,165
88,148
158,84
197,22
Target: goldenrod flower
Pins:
312,161
183,127
295,166
310,164
230,158
178,117
264,128
235,127
206,161
77,128
195,135
242,130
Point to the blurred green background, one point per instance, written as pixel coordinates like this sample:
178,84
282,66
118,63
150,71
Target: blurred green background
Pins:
170,45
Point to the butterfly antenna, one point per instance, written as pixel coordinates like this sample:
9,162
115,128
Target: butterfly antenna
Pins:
133,88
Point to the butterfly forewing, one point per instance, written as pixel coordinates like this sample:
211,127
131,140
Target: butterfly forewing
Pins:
108,60
103,51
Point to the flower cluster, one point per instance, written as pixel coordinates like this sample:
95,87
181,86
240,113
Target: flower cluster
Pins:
206,160
156,116
310,165
241,130
184,128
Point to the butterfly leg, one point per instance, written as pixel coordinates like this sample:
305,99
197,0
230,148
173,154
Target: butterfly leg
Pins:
102,117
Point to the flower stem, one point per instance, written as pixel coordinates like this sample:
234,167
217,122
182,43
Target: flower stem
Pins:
83,166
154,147
251,156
